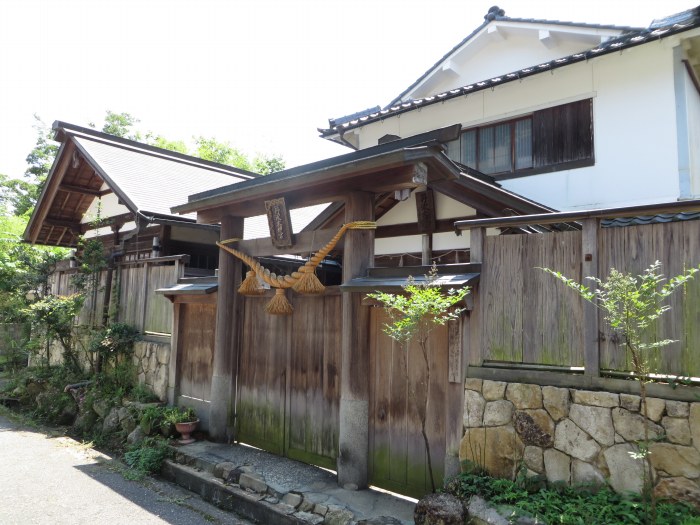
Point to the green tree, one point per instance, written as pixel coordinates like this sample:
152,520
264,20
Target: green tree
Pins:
163,143
631,305
413,316
20,194
221,152
266,164
120,125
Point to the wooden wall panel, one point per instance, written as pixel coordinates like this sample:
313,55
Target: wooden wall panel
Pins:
196,349
502,288
398,459
314,379
262,377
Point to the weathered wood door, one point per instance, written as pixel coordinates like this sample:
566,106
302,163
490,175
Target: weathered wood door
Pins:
288,381
398,458
195,342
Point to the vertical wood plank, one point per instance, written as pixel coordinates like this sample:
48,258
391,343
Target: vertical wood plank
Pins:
358,255
502,298
226,346
589,268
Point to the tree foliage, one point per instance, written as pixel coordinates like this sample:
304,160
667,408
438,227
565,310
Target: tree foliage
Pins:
120,125
631,305
20,194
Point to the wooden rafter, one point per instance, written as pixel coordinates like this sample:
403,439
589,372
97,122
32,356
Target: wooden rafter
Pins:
79,189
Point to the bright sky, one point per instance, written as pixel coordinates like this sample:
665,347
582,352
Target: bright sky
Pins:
261,74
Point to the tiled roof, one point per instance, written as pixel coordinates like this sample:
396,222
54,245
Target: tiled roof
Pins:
152,183
631,37
640,220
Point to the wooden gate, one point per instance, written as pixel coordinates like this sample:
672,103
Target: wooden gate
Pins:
195,342
398,459
289,378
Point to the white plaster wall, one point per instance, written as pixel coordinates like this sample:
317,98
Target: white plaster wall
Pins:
405,212
636,158
501,56
693,105
107,205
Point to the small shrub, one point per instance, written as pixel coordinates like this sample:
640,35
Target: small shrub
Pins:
175,415
114,341
143,394
568,505
146,457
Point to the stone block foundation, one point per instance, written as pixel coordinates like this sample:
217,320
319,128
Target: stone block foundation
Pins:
579,437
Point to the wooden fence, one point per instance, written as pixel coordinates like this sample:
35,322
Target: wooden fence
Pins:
528,318
131,293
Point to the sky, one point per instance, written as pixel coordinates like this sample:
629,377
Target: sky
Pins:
260,74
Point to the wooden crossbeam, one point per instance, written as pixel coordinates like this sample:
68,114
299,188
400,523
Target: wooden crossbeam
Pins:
79,189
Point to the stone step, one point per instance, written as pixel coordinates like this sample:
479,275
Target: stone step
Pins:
250,505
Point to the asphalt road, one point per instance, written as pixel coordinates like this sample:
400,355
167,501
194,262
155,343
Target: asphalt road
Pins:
55,480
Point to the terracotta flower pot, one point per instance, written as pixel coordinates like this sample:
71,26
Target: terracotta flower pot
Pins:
186,429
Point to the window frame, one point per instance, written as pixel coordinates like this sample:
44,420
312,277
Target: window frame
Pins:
533,169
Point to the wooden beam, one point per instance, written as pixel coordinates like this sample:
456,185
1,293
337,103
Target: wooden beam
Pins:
353,435
79,189
513,374
63,223
571,216
226,342
305,243
48,194
401,230
589,268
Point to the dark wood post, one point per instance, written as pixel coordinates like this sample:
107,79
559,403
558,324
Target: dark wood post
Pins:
589,268
358,255
476,255
221,412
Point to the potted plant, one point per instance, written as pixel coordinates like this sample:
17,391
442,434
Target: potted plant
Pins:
185,421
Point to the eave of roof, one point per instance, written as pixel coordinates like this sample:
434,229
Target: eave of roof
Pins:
376,170
394,279
209,198
63,129
635,37
496,18
87,142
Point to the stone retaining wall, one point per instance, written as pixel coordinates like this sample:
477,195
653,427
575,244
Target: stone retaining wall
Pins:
577,436
152,360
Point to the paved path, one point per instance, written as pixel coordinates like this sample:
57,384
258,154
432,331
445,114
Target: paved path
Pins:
55,481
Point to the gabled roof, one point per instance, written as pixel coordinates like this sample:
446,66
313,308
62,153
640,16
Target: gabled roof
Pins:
629,37
377,170
145,180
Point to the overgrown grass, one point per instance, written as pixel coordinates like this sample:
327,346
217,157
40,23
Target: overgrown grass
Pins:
571,506
146,457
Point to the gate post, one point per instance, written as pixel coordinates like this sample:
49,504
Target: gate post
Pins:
221,411
353,438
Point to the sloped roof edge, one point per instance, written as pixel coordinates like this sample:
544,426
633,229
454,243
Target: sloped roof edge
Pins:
493,16
658,30
61,129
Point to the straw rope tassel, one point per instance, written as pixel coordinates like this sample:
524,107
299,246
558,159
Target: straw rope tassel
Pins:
304,280
251,285
279,305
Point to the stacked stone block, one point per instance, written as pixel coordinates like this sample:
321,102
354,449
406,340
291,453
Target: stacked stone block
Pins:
578,436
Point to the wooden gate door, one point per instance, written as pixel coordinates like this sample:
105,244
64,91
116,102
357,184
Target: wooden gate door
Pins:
288,382
195,342
398,458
